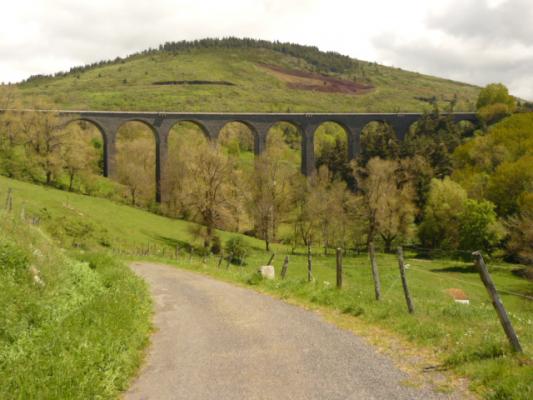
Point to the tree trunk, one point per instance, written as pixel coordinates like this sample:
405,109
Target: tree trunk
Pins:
387,241
71,182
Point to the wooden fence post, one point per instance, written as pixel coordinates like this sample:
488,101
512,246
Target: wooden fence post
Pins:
9,199
220,259
284,268
401,264
339,268
375,271
496,302
271,259
309,263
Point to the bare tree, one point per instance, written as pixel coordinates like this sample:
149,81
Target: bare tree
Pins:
207,180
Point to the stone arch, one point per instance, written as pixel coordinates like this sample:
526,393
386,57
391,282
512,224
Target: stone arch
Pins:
327,128
143,122
103,134
198,124
138,162
290,138
180,136
336,149
298,129
238,141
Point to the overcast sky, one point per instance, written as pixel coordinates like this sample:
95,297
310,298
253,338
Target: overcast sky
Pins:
476,41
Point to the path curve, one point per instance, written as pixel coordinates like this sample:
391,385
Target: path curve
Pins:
219,341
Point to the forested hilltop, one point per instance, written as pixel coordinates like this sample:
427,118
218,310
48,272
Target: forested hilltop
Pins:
245,75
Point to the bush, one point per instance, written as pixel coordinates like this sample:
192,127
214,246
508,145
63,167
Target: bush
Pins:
236,249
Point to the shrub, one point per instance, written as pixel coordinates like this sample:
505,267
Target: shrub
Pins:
236,249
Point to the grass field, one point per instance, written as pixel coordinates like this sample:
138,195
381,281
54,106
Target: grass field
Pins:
467,339
129,86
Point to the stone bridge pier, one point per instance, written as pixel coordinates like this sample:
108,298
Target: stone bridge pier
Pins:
211,124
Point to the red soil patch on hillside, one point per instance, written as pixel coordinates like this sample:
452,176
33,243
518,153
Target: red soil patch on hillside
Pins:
305,80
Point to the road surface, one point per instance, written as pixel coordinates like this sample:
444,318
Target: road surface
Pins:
217,341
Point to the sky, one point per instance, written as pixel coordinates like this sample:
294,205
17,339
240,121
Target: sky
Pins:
475,41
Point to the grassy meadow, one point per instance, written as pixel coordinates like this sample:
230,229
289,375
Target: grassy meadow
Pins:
128,85
466,339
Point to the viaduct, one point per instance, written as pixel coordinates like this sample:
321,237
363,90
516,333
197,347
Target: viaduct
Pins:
160,123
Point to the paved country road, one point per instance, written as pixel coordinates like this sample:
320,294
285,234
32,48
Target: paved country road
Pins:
219,341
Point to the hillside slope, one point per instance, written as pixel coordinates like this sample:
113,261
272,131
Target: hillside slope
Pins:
257,76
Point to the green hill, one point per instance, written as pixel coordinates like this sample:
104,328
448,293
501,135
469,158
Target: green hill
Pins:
245,75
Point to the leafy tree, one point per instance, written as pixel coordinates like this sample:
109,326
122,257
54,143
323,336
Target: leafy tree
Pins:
442,215
434,137
452,221
43,137
511,181
378,140
12,157
78,157
479,229
520,228
494,102
388,202
495,93
496,165
419,173
333,155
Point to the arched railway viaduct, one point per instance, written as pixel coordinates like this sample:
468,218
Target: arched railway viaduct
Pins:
160,123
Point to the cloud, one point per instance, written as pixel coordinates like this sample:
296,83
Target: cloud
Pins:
505,22
470,41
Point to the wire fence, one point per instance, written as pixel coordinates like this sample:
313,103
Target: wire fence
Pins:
320,260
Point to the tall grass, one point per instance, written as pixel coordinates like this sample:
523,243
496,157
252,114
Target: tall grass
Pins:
72,325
